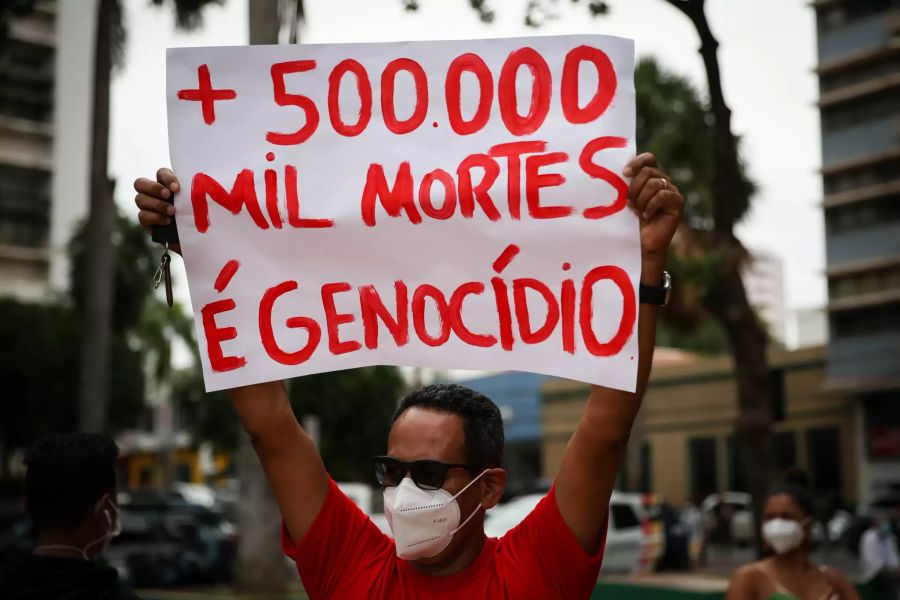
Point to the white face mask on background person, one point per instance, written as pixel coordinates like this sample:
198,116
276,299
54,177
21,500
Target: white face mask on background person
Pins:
783,534
112,528
423,521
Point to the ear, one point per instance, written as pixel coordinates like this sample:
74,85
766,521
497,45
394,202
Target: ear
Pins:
494,482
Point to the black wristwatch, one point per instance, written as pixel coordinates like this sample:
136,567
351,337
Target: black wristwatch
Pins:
658,296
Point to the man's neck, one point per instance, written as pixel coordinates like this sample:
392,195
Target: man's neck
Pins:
457,564
66,544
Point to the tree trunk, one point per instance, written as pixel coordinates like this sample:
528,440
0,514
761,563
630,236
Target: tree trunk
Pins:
97,322
260,567
728,301
264,22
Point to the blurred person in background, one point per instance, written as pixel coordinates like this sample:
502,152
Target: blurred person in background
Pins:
70,498
879,559
788,573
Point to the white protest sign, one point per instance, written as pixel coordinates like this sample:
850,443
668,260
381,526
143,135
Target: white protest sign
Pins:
453,204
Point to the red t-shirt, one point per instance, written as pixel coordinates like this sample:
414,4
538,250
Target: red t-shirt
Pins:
345,556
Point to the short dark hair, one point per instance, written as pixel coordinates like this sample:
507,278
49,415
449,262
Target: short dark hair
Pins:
482,423
67,474
795,483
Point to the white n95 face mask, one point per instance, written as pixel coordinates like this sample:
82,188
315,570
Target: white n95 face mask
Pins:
783,534
423,521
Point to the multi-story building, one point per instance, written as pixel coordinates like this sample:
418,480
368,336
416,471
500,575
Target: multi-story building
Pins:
46,66
764,281
859,85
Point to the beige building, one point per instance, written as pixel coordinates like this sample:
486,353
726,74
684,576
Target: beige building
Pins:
683,445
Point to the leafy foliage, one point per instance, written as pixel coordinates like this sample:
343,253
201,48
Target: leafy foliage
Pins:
188,13
354,409
39,359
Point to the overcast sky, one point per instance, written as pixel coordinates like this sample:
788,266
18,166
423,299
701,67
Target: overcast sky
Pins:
767,54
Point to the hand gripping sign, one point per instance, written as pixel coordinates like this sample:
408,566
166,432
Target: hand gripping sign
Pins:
453,204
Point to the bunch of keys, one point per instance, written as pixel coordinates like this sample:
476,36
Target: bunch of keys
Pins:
165,234
163,272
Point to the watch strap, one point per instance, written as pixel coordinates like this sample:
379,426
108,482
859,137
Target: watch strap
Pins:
656,295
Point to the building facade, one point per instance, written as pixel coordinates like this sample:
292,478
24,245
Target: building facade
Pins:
684,446
763,278
46,64
859,85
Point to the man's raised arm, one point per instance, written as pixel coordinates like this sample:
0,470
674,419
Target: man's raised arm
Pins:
288,456
595,452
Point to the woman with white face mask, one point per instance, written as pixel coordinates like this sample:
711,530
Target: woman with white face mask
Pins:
788,573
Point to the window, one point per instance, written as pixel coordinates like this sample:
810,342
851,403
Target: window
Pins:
863,215
785,450
24,206
26,81
840,14
776,380
883,171
876,280
869,321
823,452
858,112
646,468
737,479
623,516
703,465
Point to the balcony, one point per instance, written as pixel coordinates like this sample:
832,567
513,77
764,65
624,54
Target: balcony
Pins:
862,194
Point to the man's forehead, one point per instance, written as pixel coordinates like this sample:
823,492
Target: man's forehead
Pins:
422,433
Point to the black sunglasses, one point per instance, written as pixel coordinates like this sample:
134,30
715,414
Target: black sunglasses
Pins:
426,474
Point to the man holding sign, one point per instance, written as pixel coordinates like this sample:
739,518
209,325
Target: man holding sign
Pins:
575,314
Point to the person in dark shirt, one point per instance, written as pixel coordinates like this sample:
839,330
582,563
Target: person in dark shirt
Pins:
70,497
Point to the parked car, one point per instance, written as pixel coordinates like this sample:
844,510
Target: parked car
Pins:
626,542
170,540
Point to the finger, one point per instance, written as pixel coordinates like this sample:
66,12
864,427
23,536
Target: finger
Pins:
147,218
149,203
651,189
151,188
167,178
640,181
666,200
647,159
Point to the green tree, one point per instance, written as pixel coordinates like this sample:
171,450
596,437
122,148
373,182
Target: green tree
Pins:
39,357
360,401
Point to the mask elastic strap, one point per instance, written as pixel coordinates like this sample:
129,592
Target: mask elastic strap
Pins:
467,519
468,485
106,537
82,551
